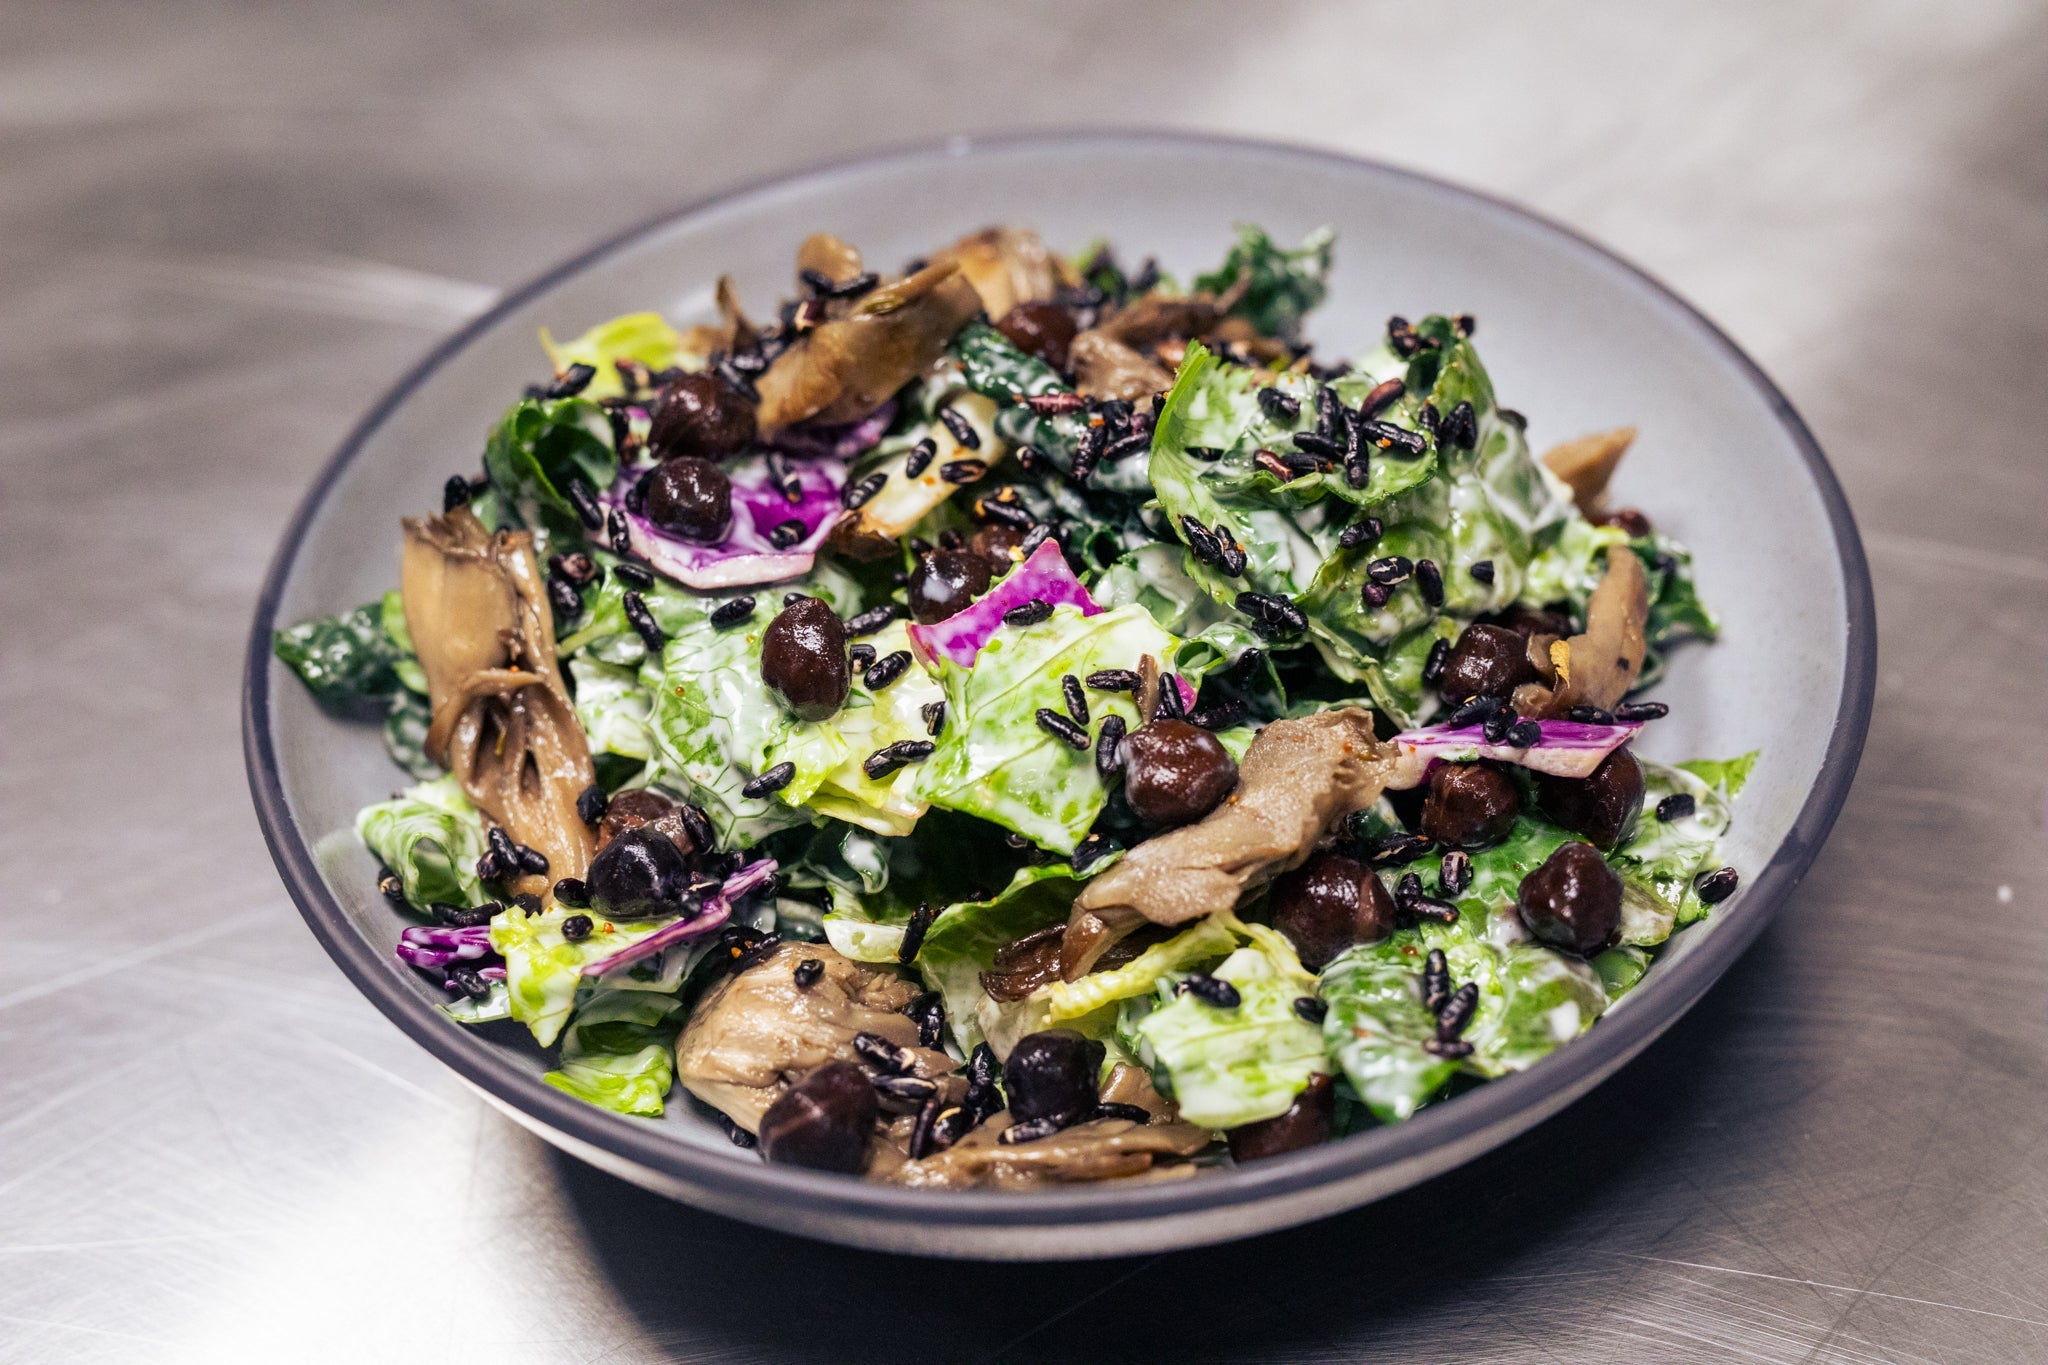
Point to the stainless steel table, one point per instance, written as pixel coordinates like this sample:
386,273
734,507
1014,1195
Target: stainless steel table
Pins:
223,230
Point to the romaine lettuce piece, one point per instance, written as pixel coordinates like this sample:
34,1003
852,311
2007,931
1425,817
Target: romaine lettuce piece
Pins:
431,836
1663,857
619,1053
962,942
715,726
405,735
545,972
614,703
995,761
1206,940
1226,1067
645,337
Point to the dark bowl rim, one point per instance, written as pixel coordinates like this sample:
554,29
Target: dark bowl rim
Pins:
1495,1106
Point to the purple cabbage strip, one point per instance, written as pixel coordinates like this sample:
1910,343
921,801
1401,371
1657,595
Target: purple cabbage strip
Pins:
746,556
1567,748
437,947
712,917
1044,576
839,443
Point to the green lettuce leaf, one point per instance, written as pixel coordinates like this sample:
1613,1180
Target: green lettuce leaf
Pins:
544,970
715,726
994,760
615,703
431,836
619,1053
962,942
645,337
405,735
1226,1067
1661,858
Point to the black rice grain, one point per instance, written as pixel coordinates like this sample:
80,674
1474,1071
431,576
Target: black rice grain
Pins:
886,670
1060,728
770,782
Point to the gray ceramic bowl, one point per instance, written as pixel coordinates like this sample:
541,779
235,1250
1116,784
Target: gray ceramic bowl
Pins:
1574,337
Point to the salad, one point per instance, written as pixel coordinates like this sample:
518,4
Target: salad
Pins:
1021,721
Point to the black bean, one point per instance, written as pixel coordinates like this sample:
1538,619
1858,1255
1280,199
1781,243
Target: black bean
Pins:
1310,1008
860,491
1272,615
736,612
1429,581
572,892
1059,727
874,618
890,757
1676,806
454,493
1482,571
1461,427
1361,534
1114,680
1093,850
567,602
1397,441
1076,700
1389,570
1634,712
1457,1011
1718,885
1590,715
934,713
1524,734
886,670
1436,982
1397,849
1108,747
1029,614
914,932
770,782
1383,394
1454,876
584,500
1212,990
807,973
576,928
920,457
1433,666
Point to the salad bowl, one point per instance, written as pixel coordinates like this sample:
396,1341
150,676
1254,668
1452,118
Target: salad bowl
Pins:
1575,337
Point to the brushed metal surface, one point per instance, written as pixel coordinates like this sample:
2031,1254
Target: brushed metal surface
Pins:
223,231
